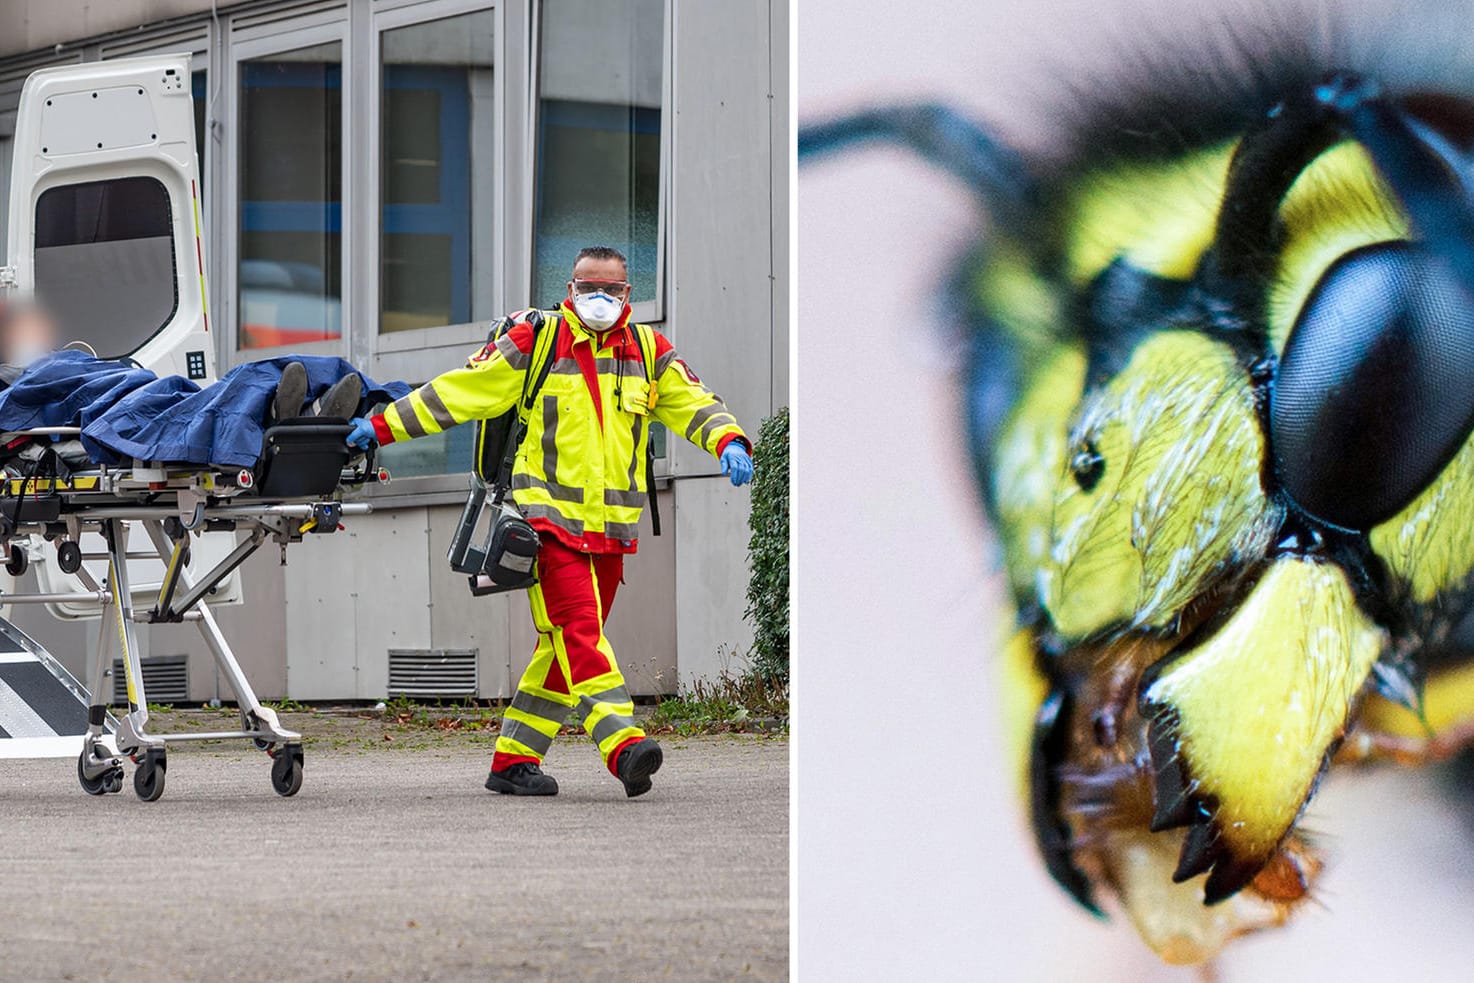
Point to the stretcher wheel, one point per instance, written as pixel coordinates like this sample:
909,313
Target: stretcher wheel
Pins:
16,565
109,781
286,770
69,557
148,780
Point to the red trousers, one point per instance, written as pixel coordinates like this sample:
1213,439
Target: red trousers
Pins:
573,663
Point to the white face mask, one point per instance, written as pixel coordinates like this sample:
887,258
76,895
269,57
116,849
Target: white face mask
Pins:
597,311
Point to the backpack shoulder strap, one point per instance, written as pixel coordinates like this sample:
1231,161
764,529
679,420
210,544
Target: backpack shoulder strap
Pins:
545,325
645,341
544,350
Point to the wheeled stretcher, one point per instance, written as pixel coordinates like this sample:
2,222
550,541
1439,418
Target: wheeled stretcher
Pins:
295,491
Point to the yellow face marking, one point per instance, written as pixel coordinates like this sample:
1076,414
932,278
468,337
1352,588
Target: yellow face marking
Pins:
1178,499
1030,460
1260,702
1430,543
1448,703
1159,216
1024,688
1339,203
1026,304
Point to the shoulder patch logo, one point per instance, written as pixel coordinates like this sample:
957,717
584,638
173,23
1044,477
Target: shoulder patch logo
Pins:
687,370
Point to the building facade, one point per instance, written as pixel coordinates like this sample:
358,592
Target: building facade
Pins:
384,177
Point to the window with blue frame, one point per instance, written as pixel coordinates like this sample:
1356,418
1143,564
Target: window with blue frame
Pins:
600,82
290,275
437,173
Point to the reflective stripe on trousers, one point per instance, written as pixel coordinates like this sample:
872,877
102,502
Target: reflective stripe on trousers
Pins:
573,664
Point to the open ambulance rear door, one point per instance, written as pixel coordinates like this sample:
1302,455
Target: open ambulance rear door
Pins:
105,232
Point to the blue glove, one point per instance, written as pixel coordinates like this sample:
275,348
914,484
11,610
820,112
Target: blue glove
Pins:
737,463
362,436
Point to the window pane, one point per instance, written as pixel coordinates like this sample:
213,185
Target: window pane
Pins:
442,453
436,173
598,157
105,262
291,197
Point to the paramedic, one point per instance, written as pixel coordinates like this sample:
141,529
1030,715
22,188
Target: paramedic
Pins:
580,480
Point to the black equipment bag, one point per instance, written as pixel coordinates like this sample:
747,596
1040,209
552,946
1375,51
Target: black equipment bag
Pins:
511,553
506,559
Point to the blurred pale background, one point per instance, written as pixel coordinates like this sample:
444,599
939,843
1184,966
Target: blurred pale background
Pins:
913,859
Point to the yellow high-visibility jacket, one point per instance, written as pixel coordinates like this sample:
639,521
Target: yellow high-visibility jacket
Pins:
580,471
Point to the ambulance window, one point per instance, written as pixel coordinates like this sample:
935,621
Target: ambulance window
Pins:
105,262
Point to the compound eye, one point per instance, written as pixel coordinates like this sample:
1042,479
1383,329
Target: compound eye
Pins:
1375,391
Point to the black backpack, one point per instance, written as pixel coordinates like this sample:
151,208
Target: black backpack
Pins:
497,439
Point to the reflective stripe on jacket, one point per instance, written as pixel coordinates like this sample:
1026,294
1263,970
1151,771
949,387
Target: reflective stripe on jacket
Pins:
580,471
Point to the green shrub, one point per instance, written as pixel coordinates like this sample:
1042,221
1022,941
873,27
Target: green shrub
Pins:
767,550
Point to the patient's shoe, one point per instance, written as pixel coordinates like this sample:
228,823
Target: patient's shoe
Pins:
341,401
291,392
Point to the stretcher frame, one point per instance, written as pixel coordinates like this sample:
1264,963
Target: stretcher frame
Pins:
171,504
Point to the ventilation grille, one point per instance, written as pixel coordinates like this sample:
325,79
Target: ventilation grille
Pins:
15,69
189,38
165,680
275,14
432,672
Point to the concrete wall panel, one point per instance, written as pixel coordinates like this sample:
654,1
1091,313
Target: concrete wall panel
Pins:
721,315
711,576
26,25
459,620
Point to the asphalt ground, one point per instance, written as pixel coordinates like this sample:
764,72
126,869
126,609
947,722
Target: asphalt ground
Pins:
393,862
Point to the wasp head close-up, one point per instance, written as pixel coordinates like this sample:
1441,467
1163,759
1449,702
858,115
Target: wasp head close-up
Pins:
1213,345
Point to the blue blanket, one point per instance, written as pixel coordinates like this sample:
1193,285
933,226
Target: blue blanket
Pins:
126,412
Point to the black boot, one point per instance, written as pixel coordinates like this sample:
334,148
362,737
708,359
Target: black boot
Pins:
340,402
637,762
291,392
522,778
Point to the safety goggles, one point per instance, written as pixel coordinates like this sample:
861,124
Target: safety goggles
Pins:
614,288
